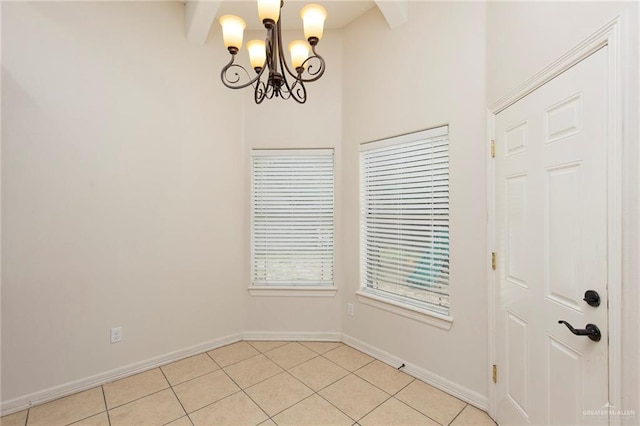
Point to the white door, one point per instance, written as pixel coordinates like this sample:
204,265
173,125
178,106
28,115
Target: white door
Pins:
551,241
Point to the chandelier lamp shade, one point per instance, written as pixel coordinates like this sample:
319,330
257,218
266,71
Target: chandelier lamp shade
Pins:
272,75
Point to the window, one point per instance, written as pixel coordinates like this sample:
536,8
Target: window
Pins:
292,218
404,190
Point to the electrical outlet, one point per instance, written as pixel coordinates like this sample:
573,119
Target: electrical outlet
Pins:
350,309
116,334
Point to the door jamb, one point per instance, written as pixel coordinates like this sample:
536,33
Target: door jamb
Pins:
608,35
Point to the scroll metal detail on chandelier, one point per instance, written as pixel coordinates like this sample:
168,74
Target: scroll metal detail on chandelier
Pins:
267,57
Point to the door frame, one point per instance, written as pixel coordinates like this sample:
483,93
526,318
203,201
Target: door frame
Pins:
609,35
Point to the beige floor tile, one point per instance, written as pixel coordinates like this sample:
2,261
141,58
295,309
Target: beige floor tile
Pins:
266,346
394,412
290,355
236,409
354,396
182,421
436,404
318,373
189,368
204,390
233,353
312,411
384,376
98,420
253,370
213,396
68,409
278,393
134,387
348,358
157,409
472,416
322,347
15,419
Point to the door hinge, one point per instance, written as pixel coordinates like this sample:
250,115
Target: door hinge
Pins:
493,148
495,374
493,260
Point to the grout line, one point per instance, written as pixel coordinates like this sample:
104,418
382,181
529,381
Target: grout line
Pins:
104,398
295,365
193,378
416,410
242,360
349,373
373,384
374,408
295,403
91,415
257,405
331,383
405,386
336,407
85,418
138,399
211,403
316,355
243,391
211,358
457,415
174,394
276,348
284,343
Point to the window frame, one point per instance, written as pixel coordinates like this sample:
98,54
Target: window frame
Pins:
290,288
385,300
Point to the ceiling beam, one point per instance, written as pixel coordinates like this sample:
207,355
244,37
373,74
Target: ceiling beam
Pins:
199,15
396,12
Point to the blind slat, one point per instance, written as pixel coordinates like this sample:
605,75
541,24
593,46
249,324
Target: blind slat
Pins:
404,208
292,212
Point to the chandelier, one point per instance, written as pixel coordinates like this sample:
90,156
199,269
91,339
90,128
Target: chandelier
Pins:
273,75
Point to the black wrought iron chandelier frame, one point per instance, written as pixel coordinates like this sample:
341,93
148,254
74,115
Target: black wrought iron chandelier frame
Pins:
277,82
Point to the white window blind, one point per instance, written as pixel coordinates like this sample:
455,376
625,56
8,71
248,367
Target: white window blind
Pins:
404,192
292,217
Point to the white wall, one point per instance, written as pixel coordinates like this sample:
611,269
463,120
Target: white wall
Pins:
537,33
125,179
120,190
286,124
523,37
425,73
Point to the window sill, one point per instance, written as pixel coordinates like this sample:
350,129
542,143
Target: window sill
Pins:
292,291
422,315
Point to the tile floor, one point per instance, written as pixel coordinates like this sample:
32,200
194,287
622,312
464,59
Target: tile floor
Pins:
261,383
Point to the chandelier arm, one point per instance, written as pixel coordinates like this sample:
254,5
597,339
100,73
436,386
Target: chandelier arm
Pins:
283,63
260,92
299,92
315,75
232,69
269,91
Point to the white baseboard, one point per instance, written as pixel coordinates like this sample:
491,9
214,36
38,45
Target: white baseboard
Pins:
293,336
40,397
467,395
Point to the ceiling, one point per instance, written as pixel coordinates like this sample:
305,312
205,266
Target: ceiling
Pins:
339,12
